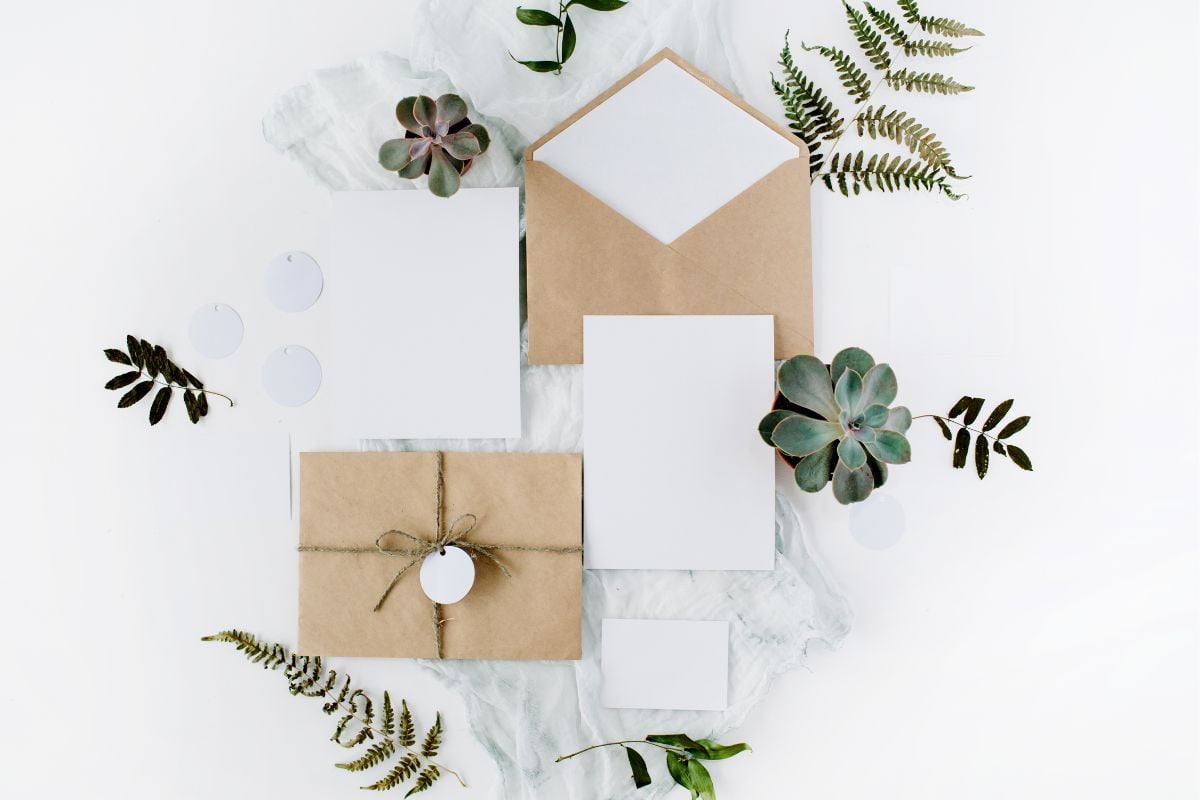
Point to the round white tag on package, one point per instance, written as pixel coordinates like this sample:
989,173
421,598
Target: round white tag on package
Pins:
877,523
291,375
215,330
294,281
447,578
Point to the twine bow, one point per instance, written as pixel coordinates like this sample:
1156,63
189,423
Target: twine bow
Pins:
445,535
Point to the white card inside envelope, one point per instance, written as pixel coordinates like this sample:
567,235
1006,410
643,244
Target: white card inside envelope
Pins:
426,338
677,476
666,151
664,664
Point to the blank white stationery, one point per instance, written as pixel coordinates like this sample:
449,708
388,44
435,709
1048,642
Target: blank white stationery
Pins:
664,664
676,474
426,337
669,174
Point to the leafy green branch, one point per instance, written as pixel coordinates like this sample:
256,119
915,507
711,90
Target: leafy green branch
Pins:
970,407
883,40
152,367
683,760
564,30
390,737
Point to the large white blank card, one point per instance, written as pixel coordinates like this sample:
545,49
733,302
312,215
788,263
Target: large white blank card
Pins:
426,338
676,475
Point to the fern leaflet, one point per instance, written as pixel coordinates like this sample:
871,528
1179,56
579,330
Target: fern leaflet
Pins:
931,48
375,755
433,739
402,771
810,114
424,780
869,39
854,173
927,82
856,81
889,25
899,127
408,733
387,723
938,25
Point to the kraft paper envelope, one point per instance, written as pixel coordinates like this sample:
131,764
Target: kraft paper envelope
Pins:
523,499
749,255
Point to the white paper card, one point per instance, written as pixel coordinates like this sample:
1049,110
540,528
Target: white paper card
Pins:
677,476
681,665
426,337
666,151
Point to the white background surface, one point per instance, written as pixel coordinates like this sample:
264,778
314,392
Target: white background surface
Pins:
1032,636
665,663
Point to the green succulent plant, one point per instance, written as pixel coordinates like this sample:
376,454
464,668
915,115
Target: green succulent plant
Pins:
439,141
838,424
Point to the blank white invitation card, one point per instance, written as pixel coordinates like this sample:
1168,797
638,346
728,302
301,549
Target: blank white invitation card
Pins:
675,473
426,338
682,665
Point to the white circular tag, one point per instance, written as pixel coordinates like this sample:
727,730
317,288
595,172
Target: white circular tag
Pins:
447,578
877,523
294,281
215,330
291,375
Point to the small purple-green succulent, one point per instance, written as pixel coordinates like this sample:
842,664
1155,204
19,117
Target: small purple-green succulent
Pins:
838,424
439,141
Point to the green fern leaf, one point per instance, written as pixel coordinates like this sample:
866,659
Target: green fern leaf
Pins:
408,732
375,755
943,26
853,77
424,780
888,24
869,39
881,172
256,651
810,114
899,127
397,775
433,739
356,700
927,82
912,14
387,722
931,48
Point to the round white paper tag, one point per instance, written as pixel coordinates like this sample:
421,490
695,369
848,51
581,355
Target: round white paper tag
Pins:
447,578
215,330
294,281
291,375
877,523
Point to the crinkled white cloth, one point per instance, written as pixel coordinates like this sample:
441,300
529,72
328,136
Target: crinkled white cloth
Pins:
527,713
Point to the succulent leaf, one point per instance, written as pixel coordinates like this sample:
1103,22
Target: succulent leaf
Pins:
849,391
443,177
415,168
851,452
405,116
875,415
814,471
462,145
852,485
890,447
768,423
425,112
805,381
900,419
800,436
879,385
879,471
395,154
854,358
481,135
451,110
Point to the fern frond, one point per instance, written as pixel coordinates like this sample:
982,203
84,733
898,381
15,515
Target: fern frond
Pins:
256,651
869,39
912,14
356,700
397,775
810,114
928,82
938,25
853,77
375,755
408,732
899,127
888,24
387,722
433,739
424,780
336,703
931,48
854,173
304,675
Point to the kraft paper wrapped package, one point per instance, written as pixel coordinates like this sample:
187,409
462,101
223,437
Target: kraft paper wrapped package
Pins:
698,204
526,509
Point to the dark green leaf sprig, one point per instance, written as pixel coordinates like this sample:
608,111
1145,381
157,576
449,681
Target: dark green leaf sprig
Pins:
883,40
969,408
390,737
564,30
684,760
152,367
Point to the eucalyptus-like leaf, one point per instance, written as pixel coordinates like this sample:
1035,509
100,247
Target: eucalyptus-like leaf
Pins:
997,415
899,419
852,485
875,415
890,447
677,769
959,407
149,364
202,404
135,394
135,351
416,168
598,5
854,358
538,66
849,391
637,766
396,154
117,356
123,380
701,781
973,409
998,447
568,38
981,456
962,442
715,751
1015,426
534,16
190,403
405,115
799,435
851,452
443,177
425,112
159,406
768,423
1019,458
462,145
681,740
879,385
814,471
805,381
941,423
451,110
